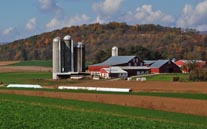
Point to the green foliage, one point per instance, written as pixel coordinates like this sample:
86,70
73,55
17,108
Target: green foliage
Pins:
198,74
144,53
101,56
38,112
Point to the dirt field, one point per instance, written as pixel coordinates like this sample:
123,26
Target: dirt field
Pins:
3,63
151,86
4,68
187,106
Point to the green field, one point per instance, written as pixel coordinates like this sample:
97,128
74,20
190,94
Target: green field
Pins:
44,63
44,78
18,112
168,77
41,78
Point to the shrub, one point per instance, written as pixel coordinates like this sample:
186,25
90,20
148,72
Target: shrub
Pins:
199,74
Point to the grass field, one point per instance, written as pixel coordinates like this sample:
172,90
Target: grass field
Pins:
44,78
41,78
44,63
38,112
168,77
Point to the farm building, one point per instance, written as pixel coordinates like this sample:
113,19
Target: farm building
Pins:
182,63
136,70
116,61
113,72
164,66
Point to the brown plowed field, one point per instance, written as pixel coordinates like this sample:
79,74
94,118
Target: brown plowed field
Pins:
3,63
4,68
151,86
187,106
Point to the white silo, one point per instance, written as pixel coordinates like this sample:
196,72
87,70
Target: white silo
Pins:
114,51
68,54
79,54
56,55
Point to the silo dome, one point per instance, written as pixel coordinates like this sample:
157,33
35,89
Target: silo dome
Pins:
114,51
79,45
56,40
67,38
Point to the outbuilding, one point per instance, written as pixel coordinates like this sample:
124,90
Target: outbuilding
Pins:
164,66
113,72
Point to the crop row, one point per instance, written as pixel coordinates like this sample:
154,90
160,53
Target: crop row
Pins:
19,112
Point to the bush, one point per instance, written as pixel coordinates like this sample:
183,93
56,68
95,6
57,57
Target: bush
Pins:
198,74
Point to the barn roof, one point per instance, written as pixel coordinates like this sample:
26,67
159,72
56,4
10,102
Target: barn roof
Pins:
149,62
189,61
114,70
115,60
159,63
135,67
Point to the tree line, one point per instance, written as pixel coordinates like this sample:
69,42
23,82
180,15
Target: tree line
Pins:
147,41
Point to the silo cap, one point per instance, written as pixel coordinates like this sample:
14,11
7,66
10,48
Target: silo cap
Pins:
56,40
114,48
79,44
67,38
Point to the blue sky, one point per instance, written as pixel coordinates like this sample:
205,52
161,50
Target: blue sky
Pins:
30,17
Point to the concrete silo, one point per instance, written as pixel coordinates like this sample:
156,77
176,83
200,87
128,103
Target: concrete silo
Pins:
56,45
79,54
67,54
114,51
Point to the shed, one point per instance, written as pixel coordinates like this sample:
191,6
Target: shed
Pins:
136,70
114,72
164,66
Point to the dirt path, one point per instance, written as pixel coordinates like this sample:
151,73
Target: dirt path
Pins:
187,106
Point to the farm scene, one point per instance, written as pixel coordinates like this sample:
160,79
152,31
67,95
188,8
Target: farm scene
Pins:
103,64
158,102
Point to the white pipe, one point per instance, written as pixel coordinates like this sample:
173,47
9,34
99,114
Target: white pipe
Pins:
95,89
23,86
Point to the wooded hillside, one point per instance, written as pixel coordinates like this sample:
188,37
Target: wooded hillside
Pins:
148,41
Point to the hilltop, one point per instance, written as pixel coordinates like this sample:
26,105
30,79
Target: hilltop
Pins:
150,41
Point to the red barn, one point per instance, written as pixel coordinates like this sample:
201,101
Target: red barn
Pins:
181,63
116,61
164,66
